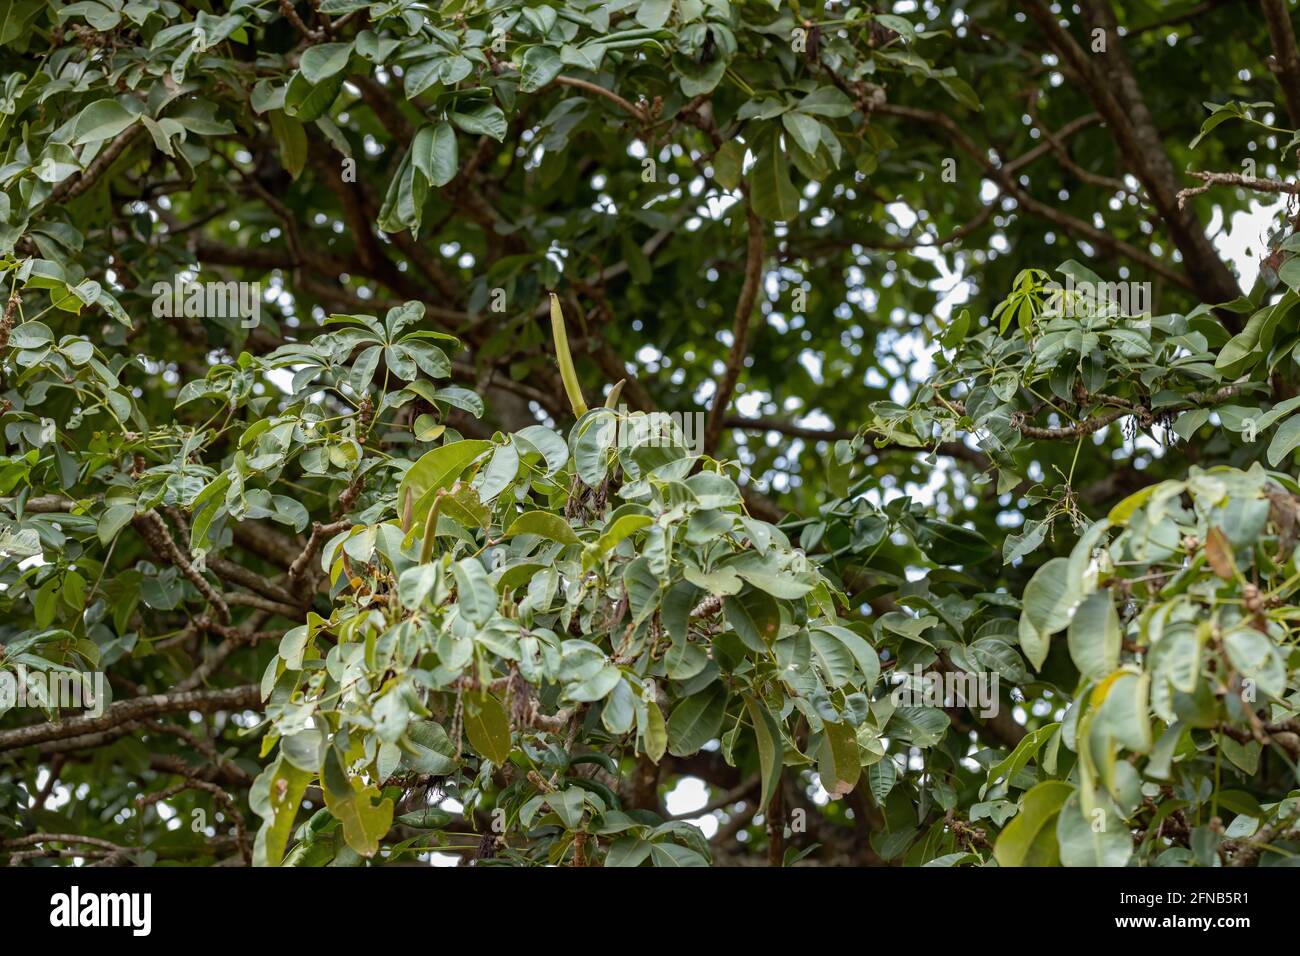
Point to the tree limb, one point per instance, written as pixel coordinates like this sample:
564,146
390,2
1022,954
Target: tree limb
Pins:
246,697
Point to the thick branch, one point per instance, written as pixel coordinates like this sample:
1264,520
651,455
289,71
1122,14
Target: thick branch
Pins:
247,697
1285,61
1110,82
74,186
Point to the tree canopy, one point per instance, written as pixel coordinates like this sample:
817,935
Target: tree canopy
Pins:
439,430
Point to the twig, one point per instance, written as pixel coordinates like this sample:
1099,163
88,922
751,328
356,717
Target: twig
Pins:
155,533
610,95
1234,179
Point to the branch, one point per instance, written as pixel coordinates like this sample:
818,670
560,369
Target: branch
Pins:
1035,207
242,599
1056,141
734,795
221,796
72,187
33,839
1285,62
246,697
290,14
233,639
1110,82
1191,13
924,241
739,330
949,449
41,504
266,542
320,533
238,574
635,112
155,533
1122,408
1234,179
1050,140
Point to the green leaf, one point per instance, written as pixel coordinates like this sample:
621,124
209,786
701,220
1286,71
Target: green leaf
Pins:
864,655
501,470
1099,838
653,14
309,101
826,101
654,733
546,525
946,543
568,805
628,851
476,598
1256,657
322,61
622,527
427,749
541,66
1049,600
674,854
728,163
1095,636
696,720
275,796
771,191
881,777
549,445
428,818
101,120
961,91
116,517
435,470
833,658
434,154
31,335
488,727
353,802
292,141
415,584
1123,712
755,618
1024,752
839,762
771,573
595,687
1030,838
487,120
1285,440
804,130
771,748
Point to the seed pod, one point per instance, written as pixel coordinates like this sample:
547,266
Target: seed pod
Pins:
568,374
408,508
430,529
614,393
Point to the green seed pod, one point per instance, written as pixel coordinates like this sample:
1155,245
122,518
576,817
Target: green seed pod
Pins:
568,374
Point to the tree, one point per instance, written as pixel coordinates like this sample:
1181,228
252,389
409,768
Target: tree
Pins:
446,431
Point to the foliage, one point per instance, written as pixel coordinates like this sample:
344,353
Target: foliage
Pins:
371,579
